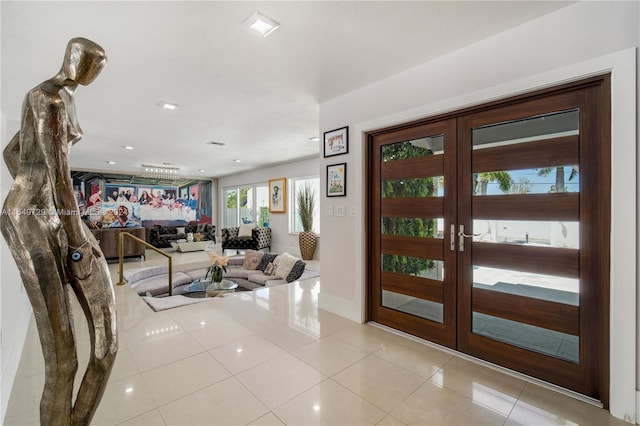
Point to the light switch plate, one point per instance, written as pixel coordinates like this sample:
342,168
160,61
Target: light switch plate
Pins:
340,210
328,211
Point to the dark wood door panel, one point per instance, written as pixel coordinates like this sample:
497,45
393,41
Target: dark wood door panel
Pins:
562,262
412,168
545,153
561,206
585,369
389,202
428,248
431,207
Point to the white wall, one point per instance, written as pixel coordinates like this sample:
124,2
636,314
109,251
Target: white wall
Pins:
566,45
281,239
15,311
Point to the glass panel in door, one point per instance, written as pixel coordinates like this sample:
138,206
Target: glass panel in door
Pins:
262,205
246,204
230,211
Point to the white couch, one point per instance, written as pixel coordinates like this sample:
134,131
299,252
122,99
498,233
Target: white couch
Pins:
153,281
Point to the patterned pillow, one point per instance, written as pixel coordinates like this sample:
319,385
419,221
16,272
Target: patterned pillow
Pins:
269,269
180,230
266,259
285,265
252,259
296,271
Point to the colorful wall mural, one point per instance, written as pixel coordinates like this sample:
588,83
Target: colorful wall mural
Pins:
130,206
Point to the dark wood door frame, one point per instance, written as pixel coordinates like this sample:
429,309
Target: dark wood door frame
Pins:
596,155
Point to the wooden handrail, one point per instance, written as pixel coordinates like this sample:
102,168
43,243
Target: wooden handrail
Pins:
146,244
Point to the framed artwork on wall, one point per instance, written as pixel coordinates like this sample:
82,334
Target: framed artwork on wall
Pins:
337,180
336,142
278,195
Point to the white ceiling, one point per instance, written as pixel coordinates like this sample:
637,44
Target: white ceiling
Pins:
258,95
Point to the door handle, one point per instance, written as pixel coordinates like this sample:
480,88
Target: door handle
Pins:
462,236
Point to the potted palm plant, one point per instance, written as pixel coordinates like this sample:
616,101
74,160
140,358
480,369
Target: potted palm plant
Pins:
306,200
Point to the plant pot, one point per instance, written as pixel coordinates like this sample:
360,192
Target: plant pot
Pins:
307,241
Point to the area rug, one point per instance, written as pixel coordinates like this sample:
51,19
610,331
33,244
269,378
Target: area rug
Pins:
170,302
163,303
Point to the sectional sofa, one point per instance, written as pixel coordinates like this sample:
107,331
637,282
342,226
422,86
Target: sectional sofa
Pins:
162,236
254,270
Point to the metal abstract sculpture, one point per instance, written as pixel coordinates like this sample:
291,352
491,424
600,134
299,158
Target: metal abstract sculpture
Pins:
53,249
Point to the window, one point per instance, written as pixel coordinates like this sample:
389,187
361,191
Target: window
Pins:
296,185
247,204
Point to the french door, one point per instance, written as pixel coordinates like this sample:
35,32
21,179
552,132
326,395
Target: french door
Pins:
489,233
413,200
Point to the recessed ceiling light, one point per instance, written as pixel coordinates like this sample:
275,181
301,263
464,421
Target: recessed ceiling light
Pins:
314,139
127,147
201,170
167,105
111,162
261,24
237,160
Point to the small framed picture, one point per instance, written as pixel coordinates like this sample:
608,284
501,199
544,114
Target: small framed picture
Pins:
278,195
337,180
336,142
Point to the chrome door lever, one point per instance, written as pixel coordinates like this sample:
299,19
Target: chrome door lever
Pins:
462,236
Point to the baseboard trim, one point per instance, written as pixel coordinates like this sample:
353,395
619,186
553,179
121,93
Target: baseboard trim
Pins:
338,306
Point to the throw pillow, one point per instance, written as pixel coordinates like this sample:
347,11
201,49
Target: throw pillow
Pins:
296,271
180,230
245,231
285,265
266,258
252,259
202,228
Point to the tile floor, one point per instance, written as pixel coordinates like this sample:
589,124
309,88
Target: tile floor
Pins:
271,357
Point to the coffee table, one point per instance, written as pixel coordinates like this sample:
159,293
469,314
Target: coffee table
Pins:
205,288
190,246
